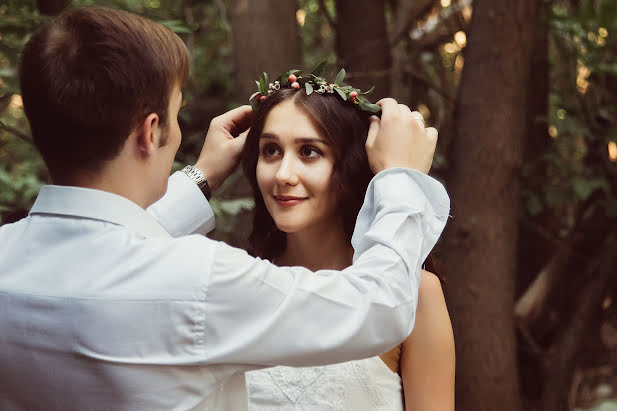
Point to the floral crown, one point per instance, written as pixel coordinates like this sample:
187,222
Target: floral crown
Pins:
312,83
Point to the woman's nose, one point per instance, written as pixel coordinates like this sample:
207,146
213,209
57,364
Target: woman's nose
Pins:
286,173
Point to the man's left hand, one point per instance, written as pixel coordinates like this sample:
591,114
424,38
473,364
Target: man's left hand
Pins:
224,142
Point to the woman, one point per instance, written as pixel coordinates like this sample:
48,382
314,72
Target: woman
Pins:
305,160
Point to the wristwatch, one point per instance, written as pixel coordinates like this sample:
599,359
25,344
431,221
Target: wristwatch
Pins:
198,178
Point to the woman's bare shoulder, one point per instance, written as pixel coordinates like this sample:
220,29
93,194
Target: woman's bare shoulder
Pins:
430,284
432,317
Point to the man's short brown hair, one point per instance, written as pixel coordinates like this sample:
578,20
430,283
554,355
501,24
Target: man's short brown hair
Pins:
89,77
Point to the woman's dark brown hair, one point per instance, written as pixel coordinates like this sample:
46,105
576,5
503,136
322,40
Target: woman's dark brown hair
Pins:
346,127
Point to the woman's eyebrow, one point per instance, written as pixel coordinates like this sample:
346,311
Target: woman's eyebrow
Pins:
268,136
299,140
304,140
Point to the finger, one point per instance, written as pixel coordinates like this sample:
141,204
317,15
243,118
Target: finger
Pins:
418,117
372,131
242,137
386,101
389,107
237,120
405,111
432,133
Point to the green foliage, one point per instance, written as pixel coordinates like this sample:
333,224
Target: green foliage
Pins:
177,26
21,169
227,210
583,110
317,32
19,185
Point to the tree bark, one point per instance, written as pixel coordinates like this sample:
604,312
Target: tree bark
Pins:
265,37
484,186
533,251
362,45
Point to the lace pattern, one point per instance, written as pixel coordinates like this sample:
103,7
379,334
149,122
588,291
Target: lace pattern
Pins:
359,385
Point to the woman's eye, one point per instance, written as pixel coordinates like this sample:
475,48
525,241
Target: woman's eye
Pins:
270,150
309,152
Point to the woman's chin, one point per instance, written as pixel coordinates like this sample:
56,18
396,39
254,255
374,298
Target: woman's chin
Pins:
287,227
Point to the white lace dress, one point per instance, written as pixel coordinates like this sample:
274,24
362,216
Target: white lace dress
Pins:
365,385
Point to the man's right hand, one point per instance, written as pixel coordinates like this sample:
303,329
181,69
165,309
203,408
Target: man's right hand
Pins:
399,139
224,143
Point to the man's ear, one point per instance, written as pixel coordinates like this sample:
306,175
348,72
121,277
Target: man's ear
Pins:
148,135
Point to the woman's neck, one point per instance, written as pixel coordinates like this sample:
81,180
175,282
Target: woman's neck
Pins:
318,248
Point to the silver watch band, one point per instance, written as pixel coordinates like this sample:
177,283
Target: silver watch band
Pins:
198,178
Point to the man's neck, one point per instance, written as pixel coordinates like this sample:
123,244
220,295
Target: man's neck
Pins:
112,178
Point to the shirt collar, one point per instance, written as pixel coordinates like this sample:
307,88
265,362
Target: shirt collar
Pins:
96,205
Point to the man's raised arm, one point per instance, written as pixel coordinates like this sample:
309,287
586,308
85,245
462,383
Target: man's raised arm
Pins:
306,318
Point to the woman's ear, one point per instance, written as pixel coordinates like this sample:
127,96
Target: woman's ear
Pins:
148,135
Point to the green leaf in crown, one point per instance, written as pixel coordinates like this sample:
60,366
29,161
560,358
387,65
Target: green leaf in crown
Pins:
312,83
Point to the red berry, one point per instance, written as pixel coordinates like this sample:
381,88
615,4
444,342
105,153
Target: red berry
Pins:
262,99
292,78
295,85
353,94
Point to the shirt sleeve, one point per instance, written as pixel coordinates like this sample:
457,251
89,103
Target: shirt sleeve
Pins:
183,209
260,314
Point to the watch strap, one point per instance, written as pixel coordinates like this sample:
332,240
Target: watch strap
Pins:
198,178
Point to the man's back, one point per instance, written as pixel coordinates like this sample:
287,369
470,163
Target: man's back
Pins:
92,312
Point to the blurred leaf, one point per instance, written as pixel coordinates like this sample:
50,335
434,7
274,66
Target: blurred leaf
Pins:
177,26
368,106
319,68
533,205
367,92
232,207
584,187
340,77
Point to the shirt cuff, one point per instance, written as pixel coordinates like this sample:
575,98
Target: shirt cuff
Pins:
183,209
415,189
406,193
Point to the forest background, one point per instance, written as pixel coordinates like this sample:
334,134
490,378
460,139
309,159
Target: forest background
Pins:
524,94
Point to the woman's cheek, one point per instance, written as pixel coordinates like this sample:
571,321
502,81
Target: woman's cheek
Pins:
266,175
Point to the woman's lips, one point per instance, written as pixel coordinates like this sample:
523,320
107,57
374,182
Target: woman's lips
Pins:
288,201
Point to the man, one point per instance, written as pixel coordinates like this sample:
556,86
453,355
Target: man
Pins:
100,308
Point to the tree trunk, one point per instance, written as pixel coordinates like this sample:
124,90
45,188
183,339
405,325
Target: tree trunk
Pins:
51,7
362,45
265,37
484,186
534,251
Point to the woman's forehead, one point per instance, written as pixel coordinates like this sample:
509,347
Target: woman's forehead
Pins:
287,120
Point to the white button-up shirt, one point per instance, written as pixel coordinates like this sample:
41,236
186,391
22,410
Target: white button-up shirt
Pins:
101,308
